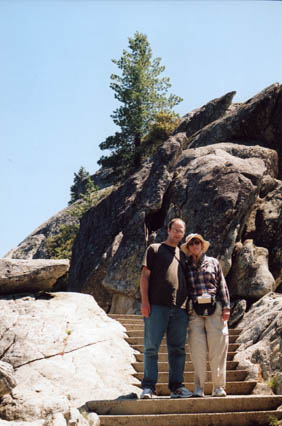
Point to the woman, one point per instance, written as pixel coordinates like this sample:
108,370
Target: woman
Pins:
208,316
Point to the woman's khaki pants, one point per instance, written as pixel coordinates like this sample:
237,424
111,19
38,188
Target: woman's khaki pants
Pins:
208,336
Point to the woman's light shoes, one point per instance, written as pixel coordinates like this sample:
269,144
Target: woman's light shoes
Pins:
219,392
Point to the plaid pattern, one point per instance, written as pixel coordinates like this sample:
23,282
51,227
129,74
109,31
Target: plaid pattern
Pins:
207,276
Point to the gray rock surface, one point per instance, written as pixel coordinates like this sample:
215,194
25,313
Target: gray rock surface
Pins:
268,225
238,309
7,378
261,339
216,187
213,191
65,351
21,275
256,121
250,277
72,417
201,117
33,246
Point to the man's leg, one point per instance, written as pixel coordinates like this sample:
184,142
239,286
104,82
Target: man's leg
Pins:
154,329
176,338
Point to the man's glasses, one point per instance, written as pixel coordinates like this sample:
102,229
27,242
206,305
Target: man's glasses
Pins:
196,242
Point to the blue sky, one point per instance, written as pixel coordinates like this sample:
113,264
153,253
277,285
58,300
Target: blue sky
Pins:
55,100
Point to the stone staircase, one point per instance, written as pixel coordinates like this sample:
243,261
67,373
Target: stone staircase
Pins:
239,408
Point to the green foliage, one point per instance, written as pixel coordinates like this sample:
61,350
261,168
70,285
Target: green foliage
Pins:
60,245
165,123
274,381
274,421
87,200
120,161
143,95
78,187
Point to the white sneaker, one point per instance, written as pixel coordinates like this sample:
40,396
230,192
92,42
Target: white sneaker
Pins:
219,392
147,393
199,392
181,393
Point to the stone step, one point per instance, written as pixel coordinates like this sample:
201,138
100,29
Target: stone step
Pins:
238,408
131,323
134,338
127,317
139,334
140,330
140,347
163,366
166,405
163,356
137,322
120,317
231,376
232,388
250,418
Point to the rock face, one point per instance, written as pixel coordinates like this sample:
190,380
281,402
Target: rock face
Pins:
19,276
33,246
261,340
250,277
72,417
268,224
238,309
220,172
255,122
65,351
7,378
201,117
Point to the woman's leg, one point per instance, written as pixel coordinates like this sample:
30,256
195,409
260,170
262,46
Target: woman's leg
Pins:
218,340
197,343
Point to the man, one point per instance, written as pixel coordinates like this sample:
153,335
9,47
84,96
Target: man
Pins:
163,304
208,329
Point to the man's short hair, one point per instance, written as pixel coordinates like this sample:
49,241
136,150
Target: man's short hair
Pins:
176,219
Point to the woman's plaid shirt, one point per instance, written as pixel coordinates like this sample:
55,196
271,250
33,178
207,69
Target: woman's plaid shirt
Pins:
207,276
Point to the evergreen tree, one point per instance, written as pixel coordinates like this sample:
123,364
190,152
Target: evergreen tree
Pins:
60,245
88,199
78,186
143,95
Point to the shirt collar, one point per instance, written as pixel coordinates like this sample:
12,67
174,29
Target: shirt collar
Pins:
200,261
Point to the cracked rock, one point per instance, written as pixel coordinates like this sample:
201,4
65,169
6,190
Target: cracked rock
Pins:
65,351
7,378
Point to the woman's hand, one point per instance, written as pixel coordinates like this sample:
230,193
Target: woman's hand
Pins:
225,314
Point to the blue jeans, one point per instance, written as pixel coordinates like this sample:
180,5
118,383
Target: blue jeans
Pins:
171,321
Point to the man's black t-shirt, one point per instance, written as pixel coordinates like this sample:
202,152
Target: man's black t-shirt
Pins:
167,283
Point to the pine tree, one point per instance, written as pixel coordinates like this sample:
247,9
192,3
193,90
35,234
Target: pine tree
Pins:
143,95
78,186
60,245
